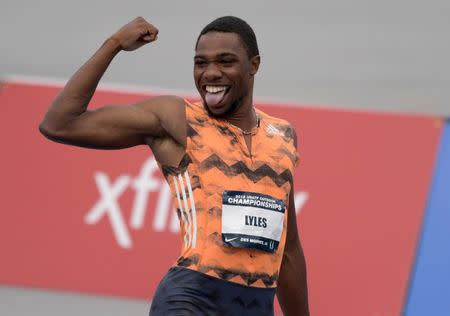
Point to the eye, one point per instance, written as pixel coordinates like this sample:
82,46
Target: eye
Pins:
227,62
199,62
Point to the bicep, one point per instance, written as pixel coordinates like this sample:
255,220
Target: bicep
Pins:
114,127
110,127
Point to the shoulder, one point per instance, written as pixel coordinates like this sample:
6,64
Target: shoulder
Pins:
161,102
195,107
278,126
164,107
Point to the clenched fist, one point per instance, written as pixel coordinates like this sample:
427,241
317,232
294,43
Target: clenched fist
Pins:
135,34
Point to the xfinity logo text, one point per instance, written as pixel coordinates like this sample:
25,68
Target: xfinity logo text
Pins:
145,183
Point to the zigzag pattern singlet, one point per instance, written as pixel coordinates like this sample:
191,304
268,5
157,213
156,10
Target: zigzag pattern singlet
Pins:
217,159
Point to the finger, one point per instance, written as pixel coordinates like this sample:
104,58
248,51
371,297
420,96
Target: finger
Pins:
150,37
151,29
147,38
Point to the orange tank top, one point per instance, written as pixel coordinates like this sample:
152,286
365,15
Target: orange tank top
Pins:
232,206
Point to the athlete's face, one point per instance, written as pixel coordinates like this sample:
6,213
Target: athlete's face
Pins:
223,72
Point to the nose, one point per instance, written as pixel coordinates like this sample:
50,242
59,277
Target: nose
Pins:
212,72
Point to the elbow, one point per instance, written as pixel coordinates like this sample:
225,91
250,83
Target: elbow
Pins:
43,129
46,130
50,133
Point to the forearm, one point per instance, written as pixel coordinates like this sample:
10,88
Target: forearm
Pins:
292,291
73,100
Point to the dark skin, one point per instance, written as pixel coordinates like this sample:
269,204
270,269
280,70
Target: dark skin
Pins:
220,60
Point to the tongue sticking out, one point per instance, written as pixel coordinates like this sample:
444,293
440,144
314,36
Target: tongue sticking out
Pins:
212,99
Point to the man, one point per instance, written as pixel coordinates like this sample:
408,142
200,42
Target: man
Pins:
229,167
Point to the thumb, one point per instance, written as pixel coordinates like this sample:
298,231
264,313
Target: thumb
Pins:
149,38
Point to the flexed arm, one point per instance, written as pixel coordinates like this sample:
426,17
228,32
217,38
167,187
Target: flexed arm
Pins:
69,121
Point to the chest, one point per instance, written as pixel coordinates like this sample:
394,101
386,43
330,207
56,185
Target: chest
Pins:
230,144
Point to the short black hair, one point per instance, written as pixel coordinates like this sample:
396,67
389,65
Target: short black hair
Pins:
232,24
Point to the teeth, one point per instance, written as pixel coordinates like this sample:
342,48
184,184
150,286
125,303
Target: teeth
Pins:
215,89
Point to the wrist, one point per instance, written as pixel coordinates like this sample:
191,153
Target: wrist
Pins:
114,44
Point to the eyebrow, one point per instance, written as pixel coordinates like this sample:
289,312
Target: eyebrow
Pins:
221,55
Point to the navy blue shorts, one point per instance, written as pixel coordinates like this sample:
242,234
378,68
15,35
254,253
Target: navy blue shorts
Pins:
186,292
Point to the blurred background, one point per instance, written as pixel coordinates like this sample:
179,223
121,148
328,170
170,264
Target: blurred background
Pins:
366,84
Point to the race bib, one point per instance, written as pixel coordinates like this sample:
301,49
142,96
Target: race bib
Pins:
252,220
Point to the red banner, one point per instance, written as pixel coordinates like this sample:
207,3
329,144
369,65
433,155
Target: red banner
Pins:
102,221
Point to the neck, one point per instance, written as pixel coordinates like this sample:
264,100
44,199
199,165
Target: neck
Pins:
244,116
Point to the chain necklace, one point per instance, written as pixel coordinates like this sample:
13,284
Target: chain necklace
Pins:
244,132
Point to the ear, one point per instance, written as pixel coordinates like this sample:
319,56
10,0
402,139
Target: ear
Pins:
254,64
